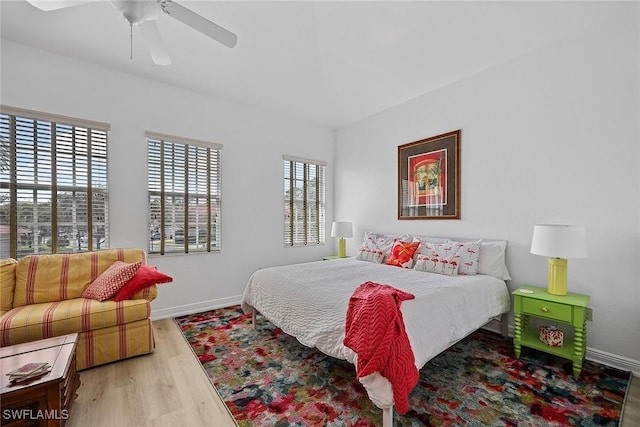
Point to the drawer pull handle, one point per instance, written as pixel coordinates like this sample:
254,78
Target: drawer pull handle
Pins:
545,309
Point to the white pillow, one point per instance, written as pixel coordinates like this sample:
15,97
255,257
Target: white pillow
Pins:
492,259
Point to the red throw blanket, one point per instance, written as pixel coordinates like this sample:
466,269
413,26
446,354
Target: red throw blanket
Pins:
375,331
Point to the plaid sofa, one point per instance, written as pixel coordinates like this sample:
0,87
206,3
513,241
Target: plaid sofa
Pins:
41,298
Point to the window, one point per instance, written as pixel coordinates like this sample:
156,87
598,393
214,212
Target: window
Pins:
304,202
184,195
53,184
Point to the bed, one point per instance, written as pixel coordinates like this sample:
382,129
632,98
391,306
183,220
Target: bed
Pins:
309,301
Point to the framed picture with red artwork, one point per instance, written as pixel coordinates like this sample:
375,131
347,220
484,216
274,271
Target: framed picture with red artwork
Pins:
429,178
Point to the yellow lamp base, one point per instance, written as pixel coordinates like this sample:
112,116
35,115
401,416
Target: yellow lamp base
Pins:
342,248
557,280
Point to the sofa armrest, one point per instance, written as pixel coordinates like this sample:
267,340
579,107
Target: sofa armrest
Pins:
149,293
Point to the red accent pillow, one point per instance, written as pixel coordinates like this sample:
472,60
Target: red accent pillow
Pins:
146,276
111,280
402,253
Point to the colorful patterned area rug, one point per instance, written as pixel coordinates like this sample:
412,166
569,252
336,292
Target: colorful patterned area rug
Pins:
267,378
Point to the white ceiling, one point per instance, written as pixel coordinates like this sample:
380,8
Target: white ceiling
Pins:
333,63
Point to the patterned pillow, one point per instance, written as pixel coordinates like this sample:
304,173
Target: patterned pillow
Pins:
426,243
402,253
444,250
371,255
381,242
469,253
111,280
147,275
438,265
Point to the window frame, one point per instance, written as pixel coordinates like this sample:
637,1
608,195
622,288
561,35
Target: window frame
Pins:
64,142
304,236
157,189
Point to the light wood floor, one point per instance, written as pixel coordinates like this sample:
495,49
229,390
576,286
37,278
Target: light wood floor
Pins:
169,388
165,388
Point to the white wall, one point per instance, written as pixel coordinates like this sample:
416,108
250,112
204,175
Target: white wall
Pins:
550,137
254,142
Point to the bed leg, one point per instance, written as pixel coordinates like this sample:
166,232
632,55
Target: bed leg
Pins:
253,317
504,324
387,417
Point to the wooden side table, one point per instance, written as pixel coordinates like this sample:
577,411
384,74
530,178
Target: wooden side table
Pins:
328,258
570,309
45,400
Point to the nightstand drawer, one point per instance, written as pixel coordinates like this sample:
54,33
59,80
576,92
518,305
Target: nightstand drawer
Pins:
552,310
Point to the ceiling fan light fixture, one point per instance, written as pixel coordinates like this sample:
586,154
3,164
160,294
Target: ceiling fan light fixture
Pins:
137,11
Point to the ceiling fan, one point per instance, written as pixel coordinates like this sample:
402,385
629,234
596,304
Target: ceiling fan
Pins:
143,13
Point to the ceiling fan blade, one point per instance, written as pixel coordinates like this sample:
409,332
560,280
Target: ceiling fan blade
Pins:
152,37
199,23
49,5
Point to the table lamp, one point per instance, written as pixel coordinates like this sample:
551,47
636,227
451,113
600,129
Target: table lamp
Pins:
342,230
558,242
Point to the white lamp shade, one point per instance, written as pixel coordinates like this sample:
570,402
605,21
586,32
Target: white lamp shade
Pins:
341,229
559,241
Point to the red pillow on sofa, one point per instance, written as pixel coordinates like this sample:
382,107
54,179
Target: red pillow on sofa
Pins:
111,280
146,276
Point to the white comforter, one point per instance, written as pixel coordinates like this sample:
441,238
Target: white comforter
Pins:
309,301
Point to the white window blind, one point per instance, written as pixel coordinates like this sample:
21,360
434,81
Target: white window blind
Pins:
184,195
53,184
304,201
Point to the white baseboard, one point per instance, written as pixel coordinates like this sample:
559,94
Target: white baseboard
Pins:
613,360
183,310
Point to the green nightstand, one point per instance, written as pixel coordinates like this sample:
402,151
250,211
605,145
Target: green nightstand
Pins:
327,258
570,309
